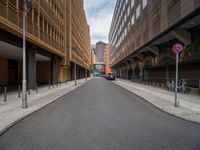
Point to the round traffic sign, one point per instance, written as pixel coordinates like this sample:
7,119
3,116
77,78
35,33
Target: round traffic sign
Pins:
177,48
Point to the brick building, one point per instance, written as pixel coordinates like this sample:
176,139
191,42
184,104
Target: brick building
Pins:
55,28
100,51
99,65
142,34
107,61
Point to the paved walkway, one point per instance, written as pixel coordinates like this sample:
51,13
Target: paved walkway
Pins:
11,111
189,104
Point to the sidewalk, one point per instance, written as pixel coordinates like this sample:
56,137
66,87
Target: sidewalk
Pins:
11,111
189,104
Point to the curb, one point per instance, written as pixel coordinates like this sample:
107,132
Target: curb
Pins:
157,107
25,116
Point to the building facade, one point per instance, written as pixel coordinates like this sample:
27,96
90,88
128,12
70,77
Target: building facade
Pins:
99,66
100,51
107,61
142,34
55,30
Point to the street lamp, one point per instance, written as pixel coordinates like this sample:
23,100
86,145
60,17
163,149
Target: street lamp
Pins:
24,82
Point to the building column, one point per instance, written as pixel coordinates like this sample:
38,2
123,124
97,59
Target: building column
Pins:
129,73
121,73
31,67
54,69
141,73
133,74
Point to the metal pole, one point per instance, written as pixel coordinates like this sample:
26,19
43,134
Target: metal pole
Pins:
85,74
75,72
176,86
19,90
24,94
199,84
5,94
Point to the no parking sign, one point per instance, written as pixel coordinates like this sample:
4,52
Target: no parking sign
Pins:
177,48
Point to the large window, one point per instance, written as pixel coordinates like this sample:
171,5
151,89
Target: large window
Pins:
138,11
144,3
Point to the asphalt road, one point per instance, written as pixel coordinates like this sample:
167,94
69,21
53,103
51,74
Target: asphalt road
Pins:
101,116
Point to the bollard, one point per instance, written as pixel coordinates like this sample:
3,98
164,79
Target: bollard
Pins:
66,81
57,84
36,89
199,84
19,90
5,94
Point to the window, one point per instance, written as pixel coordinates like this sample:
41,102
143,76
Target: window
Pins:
144,3
133,20
138,11
128,11
172,3
132,3
125,31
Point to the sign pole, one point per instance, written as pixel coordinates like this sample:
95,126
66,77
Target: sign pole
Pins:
177,48
176,88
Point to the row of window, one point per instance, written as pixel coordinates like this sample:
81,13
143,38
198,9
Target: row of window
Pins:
120,18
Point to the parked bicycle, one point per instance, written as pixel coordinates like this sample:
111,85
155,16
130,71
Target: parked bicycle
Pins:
183,86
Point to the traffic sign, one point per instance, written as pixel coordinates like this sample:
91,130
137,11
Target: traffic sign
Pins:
177,48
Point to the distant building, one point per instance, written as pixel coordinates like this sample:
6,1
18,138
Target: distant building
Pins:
107,62
94,48
100,51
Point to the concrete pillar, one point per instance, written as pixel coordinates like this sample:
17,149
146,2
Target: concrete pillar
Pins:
54,69
31,67
141,73
121,73
133,74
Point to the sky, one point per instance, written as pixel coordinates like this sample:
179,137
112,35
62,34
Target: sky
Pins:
99,16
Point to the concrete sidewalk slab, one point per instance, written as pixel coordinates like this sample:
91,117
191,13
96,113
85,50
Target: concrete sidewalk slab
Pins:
11,111
189,104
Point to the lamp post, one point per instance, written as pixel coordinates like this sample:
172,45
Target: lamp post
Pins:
24,82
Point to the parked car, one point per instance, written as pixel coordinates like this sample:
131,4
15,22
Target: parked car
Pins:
110,76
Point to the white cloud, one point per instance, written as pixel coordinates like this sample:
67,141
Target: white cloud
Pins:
99,15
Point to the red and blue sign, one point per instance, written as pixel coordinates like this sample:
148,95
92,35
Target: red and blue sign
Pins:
177,48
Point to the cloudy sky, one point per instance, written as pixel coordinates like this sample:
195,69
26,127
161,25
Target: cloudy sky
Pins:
99,15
